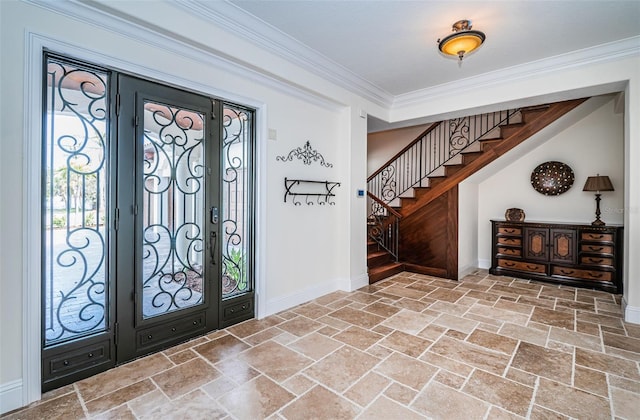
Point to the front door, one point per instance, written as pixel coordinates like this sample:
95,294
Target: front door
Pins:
167,225
144,243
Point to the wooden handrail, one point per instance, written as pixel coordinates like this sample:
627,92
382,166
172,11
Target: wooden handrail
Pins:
385,205
407,147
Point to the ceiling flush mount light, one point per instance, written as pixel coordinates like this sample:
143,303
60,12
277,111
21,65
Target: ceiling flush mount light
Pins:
462,41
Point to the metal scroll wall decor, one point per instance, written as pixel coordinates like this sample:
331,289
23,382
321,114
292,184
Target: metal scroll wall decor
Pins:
306,154
308,191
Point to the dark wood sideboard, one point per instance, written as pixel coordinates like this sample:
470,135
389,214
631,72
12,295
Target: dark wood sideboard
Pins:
566,253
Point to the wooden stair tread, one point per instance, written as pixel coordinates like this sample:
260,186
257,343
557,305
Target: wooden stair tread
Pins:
384,271
376,254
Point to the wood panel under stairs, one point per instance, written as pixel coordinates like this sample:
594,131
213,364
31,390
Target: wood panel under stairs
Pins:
380,263
534,119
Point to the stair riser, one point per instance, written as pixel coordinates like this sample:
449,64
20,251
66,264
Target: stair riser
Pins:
378,261
381,275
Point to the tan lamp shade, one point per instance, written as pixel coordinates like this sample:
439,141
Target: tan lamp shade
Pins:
461,43
598,183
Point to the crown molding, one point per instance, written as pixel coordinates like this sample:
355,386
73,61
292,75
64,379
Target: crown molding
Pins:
612,51
235,20
94,14
238,21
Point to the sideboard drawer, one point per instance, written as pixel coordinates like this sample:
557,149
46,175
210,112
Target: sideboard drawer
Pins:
596,261
602,249
597,236
510,230
505,240
583,274
515,252
522,266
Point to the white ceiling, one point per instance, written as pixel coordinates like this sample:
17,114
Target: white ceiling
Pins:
391,44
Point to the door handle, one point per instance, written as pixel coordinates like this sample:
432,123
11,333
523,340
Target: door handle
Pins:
214,215
213,241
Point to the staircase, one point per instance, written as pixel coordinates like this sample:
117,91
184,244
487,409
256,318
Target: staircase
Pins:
436,162
381,263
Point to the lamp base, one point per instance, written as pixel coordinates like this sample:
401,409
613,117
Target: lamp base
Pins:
597,222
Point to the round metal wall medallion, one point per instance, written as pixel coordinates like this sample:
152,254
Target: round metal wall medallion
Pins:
552,178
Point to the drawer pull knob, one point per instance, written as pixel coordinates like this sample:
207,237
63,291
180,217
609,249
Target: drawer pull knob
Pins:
66,363
149,336
596,248
595,276
567,272
509,264
595,261
531,267
592,236
90,354
173,329
195,322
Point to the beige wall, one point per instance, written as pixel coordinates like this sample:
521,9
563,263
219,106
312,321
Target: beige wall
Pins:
383,145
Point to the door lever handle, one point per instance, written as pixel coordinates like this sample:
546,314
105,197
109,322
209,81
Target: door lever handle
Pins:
214,215
213,242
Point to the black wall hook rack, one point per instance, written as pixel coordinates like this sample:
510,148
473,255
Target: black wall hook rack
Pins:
312,192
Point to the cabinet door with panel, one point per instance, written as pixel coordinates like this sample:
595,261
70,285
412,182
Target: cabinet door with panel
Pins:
550,245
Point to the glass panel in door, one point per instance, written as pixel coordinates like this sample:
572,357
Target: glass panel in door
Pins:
75,186
172,207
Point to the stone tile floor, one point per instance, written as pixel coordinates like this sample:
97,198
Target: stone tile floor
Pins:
409,347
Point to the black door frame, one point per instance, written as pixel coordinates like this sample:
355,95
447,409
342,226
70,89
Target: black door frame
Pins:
136,336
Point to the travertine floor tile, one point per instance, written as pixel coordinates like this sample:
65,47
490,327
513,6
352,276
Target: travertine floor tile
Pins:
438,401
315,345
384,408
367,389
571,401
66,406
256,399
216,350
275,360
122,376
406,343
119,397
186,377
412,346
471,354
626,405
504,393
359,338
406,370
320,403
342,368
544,362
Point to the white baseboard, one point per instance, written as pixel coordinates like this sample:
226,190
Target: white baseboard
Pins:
274,306
631,313
484,264
10,396
354,283
466,270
